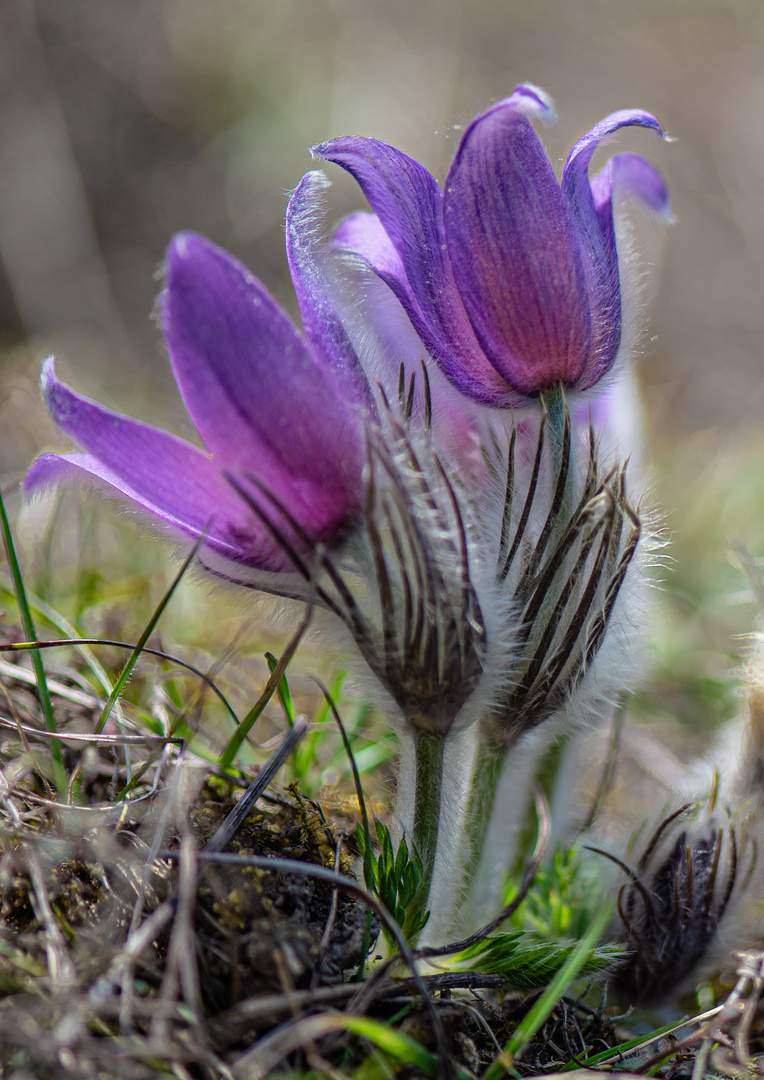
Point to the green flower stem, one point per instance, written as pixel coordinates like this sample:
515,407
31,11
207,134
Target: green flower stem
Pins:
484,783
429,752
556,412
545,776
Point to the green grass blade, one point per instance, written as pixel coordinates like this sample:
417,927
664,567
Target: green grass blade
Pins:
373,881
607,1057
368,872
266,1054
44,613
305,755
535,1018
27,622
132,659
234,744
283,691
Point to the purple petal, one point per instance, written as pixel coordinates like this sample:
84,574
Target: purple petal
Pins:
407,200
163,474
515,253
591,207
634,177
177,481
250,383
320,303
577,166
178,500
408,205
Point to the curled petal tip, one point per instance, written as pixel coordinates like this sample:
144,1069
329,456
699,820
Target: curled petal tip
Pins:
48,372
305,209
313,180
318,150
534,102
54,393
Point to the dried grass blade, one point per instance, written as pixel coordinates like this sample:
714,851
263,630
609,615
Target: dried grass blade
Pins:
60,966
112,643
46,614
324,873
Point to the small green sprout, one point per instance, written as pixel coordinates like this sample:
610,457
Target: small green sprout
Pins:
564,899
528,963
395,876
547,928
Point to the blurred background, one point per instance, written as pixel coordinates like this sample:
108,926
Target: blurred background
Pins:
121,123
124,122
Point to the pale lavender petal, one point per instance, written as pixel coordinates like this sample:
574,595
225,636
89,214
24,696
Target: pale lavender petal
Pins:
320,303
363,234
515,253
249,381
633,177
181,484
408,205
590,204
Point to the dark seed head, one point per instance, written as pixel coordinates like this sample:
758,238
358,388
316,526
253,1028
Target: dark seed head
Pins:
674,900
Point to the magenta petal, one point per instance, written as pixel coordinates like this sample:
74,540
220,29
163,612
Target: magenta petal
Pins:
515,253
179,501
181,484
251,385
318,295
163,474
408,205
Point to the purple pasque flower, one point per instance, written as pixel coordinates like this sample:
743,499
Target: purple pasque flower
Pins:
279,414
510,278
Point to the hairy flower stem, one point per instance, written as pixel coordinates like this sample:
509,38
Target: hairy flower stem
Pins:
547,768
555,407
484,783
556,424
429,752
491,755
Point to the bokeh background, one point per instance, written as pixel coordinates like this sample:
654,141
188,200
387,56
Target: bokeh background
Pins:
123,121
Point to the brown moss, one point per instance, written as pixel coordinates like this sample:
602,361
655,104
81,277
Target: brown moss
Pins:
256,928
